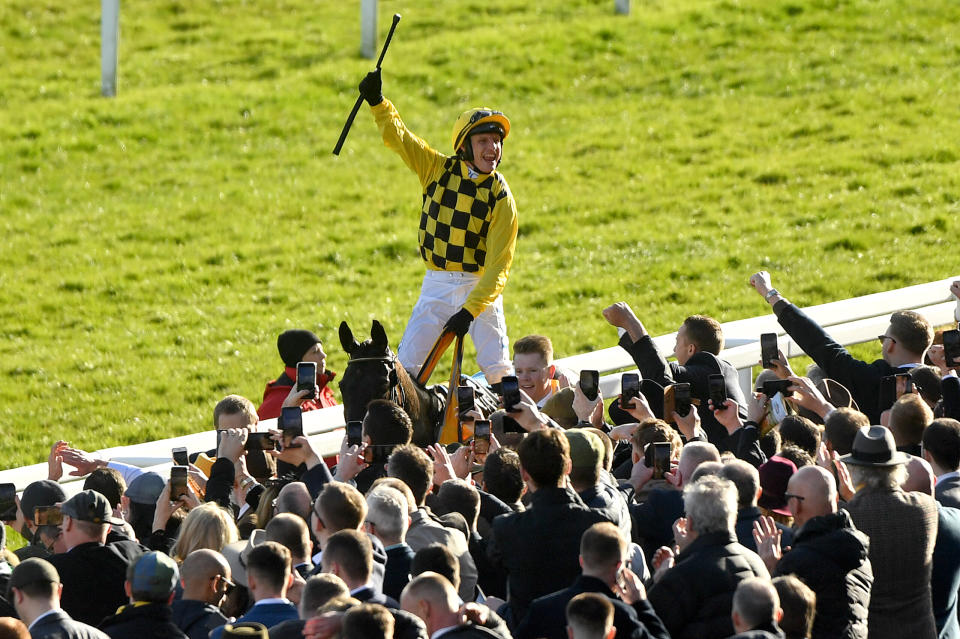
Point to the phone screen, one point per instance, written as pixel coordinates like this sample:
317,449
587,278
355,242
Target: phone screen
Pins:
662,452
904,384
306,376
291,422
681,399
629,389
8,502
180,456
481,438
511,392
590,384
178,482
260,441
354,433
718,390
465,398
951,348
768,349
47,516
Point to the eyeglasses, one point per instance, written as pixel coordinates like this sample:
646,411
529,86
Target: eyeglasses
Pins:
789,496
883,337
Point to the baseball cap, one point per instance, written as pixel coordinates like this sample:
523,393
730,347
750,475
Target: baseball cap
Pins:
155,575
145,488
44,492
89,505
586,449
245,629
31,571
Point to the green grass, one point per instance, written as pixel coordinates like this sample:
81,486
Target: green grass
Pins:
153,245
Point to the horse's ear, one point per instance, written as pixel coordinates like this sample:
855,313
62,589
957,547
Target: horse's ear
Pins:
379,336
347,341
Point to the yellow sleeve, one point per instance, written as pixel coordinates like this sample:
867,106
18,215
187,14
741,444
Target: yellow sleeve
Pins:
501,243
416,153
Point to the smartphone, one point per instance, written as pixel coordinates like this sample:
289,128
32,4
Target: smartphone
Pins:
774,386
260,441
769,351
951,348
47,516
180,456
8,502
718,390
291,423
375,454
481,439
676,399
629,389
178,482
465,398
662,452
892,387
306,376
511,392
590,384
354,433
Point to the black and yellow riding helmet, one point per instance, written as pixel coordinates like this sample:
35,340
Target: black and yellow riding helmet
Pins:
477,120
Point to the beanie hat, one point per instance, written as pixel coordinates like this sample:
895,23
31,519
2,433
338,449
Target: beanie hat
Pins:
586,449
293,344
154,575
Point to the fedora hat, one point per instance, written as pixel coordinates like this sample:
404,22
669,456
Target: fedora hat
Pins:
874,446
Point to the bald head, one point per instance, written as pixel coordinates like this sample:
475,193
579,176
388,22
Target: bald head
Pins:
694,454
816,492
920,477
755,604
432,598
199,575
295,498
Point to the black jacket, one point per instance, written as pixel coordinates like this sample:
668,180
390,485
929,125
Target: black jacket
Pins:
831,556
196,618
58,625
92,576
696,372
653,519
695,597
142,621
547,616
860,378
945,578
397,572
540,547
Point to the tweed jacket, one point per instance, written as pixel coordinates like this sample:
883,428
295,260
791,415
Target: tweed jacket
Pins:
903,530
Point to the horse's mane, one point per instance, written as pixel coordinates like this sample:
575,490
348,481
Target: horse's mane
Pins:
409,387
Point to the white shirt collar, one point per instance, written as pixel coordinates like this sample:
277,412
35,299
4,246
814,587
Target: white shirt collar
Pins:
274,600
946,476
442,631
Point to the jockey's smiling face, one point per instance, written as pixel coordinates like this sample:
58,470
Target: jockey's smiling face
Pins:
487,148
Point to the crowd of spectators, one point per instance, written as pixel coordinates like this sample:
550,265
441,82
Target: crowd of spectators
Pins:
819,506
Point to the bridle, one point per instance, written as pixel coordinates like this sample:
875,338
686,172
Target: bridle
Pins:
397,396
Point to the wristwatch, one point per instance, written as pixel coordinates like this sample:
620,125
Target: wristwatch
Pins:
770,294
247,482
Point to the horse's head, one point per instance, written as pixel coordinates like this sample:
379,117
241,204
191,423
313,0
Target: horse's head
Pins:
371,372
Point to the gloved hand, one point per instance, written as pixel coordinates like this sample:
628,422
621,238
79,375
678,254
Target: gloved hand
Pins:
370,88
459,322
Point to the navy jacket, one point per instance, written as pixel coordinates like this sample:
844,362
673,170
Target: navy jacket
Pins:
547,617
59,625
269,615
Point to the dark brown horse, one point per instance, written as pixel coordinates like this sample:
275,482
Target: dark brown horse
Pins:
374,372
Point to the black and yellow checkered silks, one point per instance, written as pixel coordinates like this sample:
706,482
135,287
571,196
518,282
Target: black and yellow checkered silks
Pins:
455,219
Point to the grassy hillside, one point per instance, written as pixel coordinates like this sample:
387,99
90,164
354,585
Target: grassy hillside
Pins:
153,245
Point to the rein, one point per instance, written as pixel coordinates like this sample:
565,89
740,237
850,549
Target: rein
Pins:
397,396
